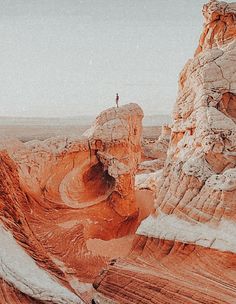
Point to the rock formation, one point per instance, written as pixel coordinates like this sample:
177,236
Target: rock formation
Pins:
198,185
69,210
161,271
148,180
185,251
149,171
156,150
58,194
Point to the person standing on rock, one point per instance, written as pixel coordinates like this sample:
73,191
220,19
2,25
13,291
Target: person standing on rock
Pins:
117,100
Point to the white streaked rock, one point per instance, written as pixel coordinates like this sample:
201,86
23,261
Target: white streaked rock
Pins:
20,270
148,180
170,227
225,181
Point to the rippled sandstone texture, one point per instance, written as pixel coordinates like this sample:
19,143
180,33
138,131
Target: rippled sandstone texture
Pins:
60,197
162,271
198,186
58,194
186,249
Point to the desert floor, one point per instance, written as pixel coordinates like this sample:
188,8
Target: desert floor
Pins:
29,131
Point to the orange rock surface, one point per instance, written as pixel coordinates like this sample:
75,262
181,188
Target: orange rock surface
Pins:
69,209
219,27
155,151
8,295
58,194
161,271
186,249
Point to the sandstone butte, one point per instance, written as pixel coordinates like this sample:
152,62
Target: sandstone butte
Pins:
74,229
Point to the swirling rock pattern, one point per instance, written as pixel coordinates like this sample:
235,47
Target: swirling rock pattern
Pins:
62,198
57,194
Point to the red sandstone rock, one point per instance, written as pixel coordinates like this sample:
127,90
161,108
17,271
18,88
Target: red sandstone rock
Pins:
8,295
61,199
219,27
187,251
161,271
59,193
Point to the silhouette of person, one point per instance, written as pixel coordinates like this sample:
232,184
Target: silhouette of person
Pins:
117,100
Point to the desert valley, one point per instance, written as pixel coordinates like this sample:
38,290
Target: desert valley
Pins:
123,212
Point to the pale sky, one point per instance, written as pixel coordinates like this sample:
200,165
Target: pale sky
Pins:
70,57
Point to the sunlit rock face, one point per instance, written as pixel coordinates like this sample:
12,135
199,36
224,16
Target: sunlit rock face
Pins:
83,172
196,194
155,151
185,250
149,171
161,271
68,206
58,194
219,27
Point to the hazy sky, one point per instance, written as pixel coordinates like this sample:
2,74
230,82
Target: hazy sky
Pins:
70,57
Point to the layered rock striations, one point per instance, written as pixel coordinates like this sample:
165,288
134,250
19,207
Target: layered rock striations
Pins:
161,271
58,194
185,250
195,201
68,207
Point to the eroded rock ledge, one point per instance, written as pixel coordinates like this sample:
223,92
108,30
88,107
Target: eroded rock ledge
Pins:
57,194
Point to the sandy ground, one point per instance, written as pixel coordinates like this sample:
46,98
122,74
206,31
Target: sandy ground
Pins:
120,247
27,133
41,132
